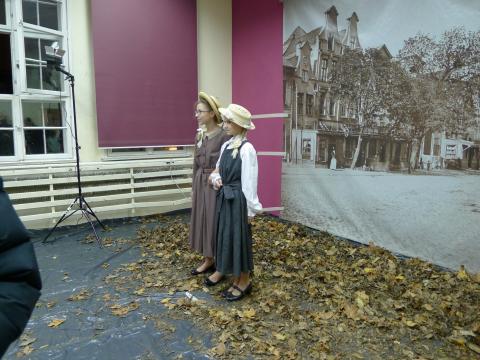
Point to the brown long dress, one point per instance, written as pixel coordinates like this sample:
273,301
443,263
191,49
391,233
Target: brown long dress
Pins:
202,222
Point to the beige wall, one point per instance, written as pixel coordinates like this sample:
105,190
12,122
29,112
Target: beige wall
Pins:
214,23
214,63
81,60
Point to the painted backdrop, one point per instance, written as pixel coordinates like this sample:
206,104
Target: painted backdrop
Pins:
382,141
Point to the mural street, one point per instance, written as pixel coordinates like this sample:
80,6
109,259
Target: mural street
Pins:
433,217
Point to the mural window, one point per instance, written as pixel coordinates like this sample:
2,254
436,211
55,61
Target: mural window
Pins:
436,145
322,151
382,151
309,109
333,70
372,148
321,105
34,101
331,42
305,75
300,103
331,110
323,70
351,144
427,144
306,149
403,151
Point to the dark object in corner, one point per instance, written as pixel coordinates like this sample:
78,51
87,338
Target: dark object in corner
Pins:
20,282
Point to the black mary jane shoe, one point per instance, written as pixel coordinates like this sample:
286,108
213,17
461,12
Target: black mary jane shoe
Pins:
209,269
209,282
230,297
225,291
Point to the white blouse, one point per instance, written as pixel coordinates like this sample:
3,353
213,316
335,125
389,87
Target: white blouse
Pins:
249,175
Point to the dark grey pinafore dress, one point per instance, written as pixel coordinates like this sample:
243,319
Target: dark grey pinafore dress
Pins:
234,238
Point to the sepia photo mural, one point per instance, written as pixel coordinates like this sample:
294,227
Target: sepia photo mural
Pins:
382,141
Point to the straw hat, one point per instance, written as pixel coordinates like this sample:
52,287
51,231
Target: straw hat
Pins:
214,104
238,115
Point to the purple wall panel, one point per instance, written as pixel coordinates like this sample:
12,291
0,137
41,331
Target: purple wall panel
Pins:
266,136
257,76
145,71
270,180
257,28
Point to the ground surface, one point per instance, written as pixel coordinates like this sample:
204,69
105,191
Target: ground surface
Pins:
314,297
435,215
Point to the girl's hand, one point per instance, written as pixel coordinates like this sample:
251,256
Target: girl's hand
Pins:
217,184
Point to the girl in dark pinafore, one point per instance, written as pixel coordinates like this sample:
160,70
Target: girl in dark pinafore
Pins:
235,177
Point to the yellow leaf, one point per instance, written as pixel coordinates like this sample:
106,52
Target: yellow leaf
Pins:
462,274
362,299
428,307
220,349
473,347
248,314
458,340
410,323
26,340
139,291
56,322
369,270
279,336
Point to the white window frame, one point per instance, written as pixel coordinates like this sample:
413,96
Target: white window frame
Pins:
18,30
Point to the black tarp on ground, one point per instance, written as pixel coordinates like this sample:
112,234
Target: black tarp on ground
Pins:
72,262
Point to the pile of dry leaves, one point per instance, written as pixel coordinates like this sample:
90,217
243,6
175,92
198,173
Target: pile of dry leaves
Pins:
314,297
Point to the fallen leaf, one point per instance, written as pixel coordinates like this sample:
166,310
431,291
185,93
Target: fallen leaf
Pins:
56,322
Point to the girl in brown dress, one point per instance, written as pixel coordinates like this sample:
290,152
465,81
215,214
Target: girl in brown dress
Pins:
209,140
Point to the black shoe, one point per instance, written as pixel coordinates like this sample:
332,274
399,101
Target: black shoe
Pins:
225,291
209,269
231,297
209,282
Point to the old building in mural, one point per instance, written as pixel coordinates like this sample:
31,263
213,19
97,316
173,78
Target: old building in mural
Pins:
325,124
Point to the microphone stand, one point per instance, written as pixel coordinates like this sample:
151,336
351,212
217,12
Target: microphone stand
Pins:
79,203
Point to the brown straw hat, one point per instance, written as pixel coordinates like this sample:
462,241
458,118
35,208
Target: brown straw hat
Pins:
214,104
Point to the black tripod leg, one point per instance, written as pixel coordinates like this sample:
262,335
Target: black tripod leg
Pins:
65,216
87,216
90,211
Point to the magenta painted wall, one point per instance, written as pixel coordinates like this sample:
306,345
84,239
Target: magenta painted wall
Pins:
145,71
257,83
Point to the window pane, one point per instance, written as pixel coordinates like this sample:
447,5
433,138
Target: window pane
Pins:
52,114
29,9
34,142
31,49
6,82
6,143
5,114
32,114
51,79
54,141
3,15
33,77
49,15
